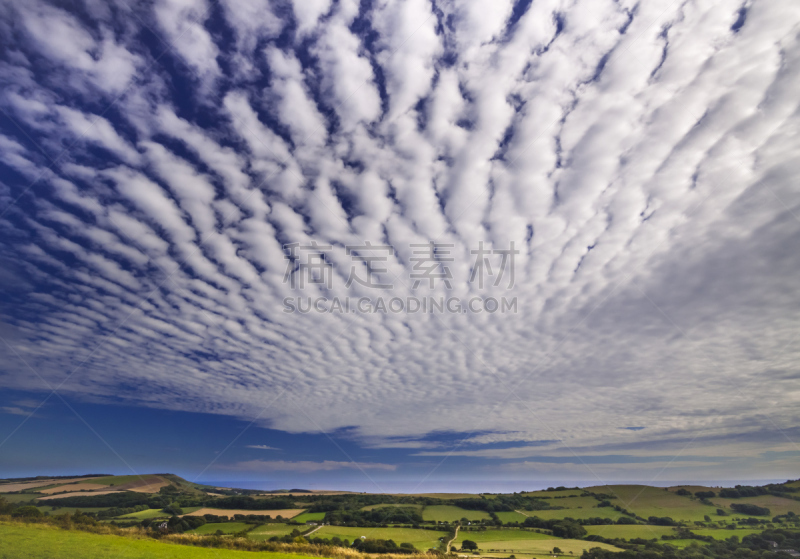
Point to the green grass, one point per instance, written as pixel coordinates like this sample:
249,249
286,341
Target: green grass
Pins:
226,527
149,513
40,541
628,532
70,510
116,480
451,513
17,497
421,539
510,516
266,531
653,501
505,535
776,505
306,516
724,534
373,507
564,493
152,513
536,547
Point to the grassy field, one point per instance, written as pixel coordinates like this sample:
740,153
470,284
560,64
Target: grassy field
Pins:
604,512
630,531
373,507
451,513
38,542
422,539
776,505
118,480
225,527
68,510
497,535
306,516
266,531
653,501
725,534
17,497
564,493
154,513
504,542
511,516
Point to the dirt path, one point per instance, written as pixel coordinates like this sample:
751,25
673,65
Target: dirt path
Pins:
455,536
311,532
522,513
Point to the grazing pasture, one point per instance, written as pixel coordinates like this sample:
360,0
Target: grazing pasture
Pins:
285,513
649,501
75,494
224,527
512,516
451,513
539,546
776,505
83,486
630,531
309,516
266,531
421,539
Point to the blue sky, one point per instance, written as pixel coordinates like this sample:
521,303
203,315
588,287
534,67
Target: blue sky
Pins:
225,228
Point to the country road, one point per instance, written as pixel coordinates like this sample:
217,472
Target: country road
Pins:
447,547
312,531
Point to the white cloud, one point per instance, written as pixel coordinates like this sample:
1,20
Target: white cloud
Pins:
647,175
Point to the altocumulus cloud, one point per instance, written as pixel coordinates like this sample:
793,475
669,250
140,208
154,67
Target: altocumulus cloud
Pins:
641,156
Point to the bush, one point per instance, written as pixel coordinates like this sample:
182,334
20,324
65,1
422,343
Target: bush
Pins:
747,508
28,511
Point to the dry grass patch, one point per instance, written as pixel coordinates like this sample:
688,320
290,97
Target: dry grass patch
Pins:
88,486
76,494
23,485
285,513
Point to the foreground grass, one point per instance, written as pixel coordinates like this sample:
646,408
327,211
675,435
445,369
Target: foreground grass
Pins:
36,541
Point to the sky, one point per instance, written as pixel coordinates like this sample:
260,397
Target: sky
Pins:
389,245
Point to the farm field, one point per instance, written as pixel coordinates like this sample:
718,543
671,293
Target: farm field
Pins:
266,531
537,548
602,512
776,505
284,513
421,539
725,534
630,531
309,516
442,495
451,513
64,510
653,501
383,506
25,485
17,497
153,513
224,527
562,493
511,516
118,480
82,486
497,535
76,494
39,542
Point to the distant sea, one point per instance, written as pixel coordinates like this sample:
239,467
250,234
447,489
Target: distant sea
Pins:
462,486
